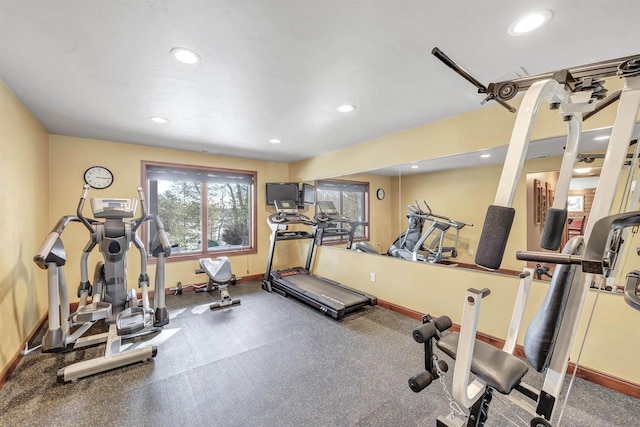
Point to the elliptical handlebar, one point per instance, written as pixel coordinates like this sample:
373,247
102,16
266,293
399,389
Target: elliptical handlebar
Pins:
162,234
48,244
143,202
144,217
83,199
417,212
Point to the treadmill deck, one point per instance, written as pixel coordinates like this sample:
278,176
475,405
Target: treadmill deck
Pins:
328,296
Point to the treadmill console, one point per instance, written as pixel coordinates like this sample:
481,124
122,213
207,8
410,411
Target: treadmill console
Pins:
327,207
286,207
113,208
287,213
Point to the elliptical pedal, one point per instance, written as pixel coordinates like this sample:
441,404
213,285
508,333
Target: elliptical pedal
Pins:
130,320
95,311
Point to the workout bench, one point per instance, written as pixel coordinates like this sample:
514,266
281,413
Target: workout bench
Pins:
220,275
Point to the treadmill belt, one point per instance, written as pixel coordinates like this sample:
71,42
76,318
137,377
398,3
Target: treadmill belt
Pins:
316,286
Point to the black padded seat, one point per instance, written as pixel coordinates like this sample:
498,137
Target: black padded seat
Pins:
499,369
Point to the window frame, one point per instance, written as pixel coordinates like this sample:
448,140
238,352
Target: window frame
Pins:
340,240
204,250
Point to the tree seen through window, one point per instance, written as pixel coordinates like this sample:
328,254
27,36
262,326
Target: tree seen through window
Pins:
182,197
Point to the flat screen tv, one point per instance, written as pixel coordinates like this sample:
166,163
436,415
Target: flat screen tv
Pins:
308,194
282,191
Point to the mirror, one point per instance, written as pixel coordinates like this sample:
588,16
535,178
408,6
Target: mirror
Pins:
460,187
364,197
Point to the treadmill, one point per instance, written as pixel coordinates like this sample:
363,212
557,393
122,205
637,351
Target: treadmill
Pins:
332,298
331,223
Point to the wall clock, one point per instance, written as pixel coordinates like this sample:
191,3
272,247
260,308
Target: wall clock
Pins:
98,177
380,194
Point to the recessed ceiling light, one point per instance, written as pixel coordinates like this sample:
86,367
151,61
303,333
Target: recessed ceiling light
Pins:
184,55
601,138
485,156
582,170
529,22
346,108
414,166
275,141
159,119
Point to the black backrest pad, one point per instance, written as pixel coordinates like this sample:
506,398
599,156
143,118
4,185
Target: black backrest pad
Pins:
541,334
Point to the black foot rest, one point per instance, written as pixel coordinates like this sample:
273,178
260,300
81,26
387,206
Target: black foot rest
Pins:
500,370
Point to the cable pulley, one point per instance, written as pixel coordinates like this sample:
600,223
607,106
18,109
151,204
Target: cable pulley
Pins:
629,68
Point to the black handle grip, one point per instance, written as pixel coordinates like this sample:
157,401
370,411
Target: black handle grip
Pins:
458,69
551,258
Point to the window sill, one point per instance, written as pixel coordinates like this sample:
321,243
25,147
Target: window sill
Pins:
181,256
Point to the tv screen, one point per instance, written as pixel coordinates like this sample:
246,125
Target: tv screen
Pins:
282,191
308,194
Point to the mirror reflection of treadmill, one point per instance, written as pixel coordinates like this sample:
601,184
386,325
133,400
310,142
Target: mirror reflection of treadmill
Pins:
327,207
328,296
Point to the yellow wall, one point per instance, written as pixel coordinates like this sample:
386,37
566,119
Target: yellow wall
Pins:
612,344
24,194
70,157
487,127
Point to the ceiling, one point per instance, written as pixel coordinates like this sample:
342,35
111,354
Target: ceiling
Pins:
279,68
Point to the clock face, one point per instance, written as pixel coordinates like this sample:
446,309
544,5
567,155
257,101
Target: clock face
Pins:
98,177
380,194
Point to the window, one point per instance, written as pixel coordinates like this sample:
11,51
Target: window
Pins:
351,199
575,203
199,204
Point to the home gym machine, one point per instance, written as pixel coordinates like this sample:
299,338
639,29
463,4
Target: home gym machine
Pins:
331,223
110,300
552,332
220,276
332,298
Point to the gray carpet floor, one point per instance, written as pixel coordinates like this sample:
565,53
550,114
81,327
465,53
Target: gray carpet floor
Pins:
271,361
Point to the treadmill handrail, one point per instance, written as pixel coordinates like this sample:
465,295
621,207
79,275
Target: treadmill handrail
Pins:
278,218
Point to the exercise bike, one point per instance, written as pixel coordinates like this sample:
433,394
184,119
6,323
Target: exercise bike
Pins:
111,302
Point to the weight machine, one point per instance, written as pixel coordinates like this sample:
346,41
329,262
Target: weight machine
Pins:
550,337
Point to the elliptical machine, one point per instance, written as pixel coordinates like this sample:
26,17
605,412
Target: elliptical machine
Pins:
404,245
435,250
110,300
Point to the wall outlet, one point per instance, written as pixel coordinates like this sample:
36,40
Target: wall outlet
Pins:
470,251
373,277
